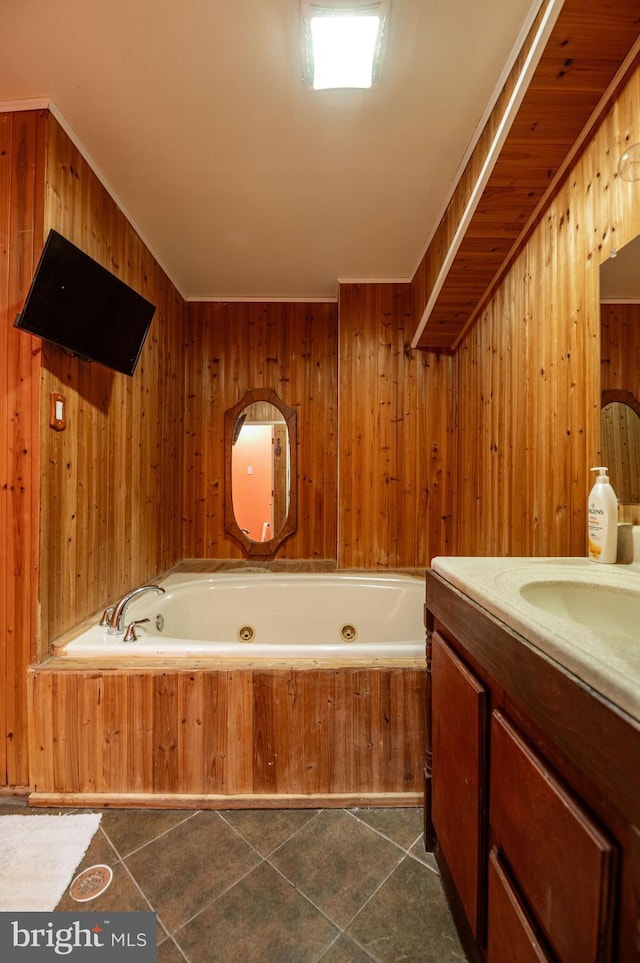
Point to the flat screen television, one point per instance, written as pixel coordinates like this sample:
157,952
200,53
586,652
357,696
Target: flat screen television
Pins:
79,305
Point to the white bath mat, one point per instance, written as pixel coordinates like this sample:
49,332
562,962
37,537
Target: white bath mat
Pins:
39,856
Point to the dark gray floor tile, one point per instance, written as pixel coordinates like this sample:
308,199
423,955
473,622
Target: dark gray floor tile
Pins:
337,862
268,829
168,952
408,919
201,873
345,951
129,829
401,826
261,919
419,852
16,806
182,871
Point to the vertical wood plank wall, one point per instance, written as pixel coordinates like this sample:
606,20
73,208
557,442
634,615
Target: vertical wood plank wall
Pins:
520,398
529,370
292,349
22,146
112,482
395,434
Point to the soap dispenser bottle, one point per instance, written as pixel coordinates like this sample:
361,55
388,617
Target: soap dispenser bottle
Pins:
603,519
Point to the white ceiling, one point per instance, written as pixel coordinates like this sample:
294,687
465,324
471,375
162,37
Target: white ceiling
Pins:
242,181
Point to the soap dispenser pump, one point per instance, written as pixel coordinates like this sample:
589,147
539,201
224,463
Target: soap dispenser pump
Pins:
603,519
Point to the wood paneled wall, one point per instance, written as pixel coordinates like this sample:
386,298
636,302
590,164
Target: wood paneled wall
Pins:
484,452
112,482
88,512
22,151
291,348
396,434
529,371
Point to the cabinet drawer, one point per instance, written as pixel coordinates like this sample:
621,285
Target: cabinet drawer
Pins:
511,937
458,810
561,860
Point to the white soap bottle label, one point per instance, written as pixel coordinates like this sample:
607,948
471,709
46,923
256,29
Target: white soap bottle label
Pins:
602,520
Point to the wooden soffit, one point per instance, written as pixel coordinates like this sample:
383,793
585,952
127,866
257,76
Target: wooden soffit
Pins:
587,44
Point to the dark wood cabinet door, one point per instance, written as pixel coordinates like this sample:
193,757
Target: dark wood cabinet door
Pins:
562,862
459,738
511,937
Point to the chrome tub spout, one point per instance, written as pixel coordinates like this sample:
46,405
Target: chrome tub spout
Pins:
116,617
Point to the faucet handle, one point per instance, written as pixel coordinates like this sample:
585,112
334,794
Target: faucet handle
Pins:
107,615
130,634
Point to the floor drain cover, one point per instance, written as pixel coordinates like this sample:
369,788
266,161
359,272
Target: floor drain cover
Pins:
90,883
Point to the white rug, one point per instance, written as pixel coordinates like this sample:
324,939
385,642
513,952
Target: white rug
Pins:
39,856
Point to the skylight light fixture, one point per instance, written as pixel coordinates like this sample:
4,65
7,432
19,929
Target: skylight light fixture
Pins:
343,41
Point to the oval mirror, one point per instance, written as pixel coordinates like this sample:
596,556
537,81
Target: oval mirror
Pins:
260,504
620,440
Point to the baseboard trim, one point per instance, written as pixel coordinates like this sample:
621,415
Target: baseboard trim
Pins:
214,801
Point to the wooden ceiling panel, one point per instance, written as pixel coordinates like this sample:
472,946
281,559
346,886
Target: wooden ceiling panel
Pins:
584,74
586,48
552,116
541,170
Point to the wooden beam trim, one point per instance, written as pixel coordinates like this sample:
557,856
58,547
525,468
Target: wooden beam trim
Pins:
553,185
479,130
526,74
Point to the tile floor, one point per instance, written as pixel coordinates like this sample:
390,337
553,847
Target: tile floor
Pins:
275,886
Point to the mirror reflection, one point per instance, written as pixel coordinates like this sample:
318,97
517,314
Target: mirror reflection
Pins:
260,471
620,370
260,503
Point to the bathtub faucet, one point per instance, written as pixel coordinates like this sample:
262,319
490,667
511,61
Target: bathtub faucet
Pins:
115,622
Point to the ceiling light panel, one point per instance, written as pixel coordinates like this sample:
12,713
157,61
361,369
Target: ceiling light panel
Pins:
343,42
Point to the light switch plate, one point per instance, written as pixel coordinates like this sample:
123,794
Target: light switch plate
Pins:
57,418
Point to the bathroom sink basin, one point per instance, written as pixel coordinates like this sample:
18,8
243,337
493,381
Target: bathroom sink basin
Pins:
601,608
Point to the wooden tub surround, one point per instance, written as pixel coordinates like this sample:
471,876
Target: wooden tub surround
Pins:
228,731
225,735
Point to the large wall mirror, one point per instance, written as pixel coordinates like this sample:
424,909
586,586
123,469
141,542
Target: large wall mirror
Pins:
620,373
260,499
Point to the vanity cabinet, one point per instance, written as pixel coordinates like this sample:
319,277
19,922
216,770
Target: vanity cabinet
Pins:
532,795
459,716
559,860
511,935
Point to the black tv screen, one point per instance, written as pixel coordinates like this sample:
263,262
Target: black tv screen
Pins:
76,303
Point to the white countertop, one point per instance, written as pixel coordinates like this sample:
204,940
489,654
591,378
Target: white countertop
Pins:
607,662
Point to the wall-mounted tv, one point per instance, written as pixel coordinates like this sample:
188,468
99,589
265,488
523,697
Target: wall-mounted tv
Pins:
76,303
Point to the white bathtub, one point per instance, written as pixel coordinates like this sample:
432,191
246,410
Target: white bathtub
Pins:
269,616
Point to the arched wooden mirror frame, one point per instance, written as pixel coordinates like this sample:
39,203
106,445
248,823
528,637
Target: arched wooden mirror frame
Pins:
626,495
269,548
623,396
